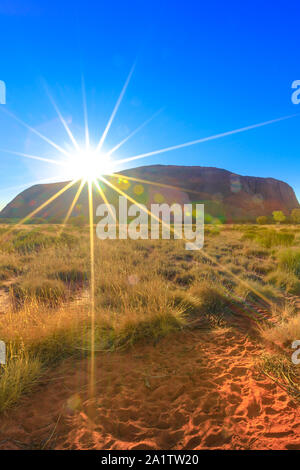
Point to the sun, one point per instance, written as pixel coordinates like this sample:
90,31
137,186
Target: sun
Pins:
88,165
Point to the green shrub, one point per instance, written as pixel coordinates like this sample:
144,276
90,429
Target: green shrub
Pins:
278,216
262,220
295,215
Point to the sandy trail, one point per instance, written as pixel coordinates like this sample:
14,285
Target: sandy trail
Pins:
192,390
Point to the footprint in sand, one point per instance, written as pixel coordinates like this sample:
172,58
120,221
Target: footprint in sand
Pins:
253,409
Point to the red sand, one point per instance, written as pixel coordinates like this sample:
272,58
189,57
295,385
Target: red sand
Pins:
193,390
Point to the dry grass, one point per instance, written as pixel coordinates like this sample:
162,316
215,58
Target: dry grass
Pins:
143,290
281,370
285,327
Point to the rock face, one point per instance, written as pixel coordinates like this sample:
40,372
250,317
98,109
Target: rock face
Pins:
227,196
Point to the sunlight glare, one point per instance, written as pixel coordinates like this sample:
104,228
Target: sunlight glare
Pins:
89,165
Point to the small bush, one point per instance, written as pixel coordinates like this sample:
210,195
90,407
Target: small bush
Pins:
257,252
255,292
17,377
270,238
184,279
50,292
262,220
78,221
212,299
295,216
274,238
249,236
286,281
289,260
190,304
285,328
168,272
135,327
27,242
261,267
9,270
70,276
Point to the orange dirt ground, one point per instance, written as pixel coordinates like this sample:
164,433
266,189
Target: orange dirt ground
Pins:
192,390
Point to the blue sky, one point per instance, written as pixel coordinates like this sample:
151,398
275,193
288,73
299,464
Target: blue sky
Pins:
212,66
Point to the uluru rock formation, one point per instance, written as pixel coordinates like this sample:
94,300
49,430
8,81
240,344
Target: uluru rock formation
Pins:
227,196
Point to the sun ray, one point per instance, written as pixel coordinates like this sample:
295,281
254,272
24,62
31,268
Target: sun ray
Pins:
62,120
205,139
85,114
34,157
34,131
134,132
153,183
92,292
98,148
102,194
205,255
76,197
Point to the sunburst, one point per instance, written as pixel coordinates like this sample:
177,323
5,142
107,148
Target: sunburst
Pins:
87,164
